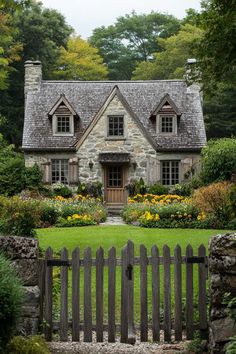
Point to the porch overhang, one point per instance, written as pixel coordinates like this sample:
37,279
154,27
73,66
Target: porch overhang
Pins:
114,157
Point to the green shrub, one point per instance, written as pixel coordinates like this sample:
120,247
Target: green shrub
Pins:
31,345
219,160
11,294
48,214
59,189
75,220
33,177
132,212
93,189
12,179
19,217
157,189
136,187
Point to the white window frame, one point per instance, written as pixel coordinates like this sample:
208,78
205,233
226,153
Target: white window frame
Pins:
171,178
60,162
55,125
159,124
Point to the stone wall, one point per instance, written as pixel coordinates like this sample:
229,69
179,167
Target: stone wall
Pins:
23,253
222,266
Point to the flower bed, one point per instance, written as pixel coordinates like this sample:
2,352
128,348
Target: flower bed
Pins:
166,211
76,211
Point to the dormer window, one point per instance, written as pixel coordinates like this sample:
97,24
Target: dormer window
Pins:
63,124
63,116
167,124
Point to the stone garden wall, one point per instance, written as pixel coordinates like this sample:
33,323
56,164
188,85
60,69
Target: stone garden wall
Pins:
23,253
222,267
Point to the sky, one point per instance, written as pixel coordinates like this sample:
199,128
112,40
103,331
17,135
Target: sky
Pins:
85,15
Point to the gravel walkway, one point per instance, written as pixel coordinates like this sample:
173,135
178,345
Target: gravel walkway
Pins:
114,348
113,220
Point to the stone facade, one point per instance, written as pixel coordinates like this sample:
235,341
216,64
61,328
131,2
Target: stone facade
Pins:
222,266
134,142
23,253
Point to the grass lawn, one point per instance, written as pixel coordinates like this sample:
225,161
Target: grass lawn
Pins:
108,236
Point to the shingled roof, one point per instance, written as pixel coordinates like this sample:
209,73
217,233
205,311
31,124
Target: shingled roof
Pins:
87,98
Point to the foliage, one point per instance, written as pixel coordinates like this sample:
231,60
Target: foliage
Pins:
14,176
41,32
27,345
232,201
157,189
60,189
136,187
11,294
58,210
80,61
218,48
153,199
133,38
213,199
219,111
9,48
219,160
19,217
75,220
170,61
93,189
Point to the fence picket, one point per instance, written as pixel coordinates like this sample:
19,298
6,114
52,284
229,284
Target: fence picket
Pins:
189,294
167,294
143,294
111,294
130,276
76,295
202,297
99,294
155,295
178,293
48,296
124,297
64,298
87,295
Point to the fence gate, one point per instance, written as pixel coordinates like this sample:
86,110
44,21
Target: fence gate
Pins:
145,296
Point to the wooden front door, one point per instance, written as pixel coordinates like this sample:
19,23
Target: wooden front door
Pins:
114,185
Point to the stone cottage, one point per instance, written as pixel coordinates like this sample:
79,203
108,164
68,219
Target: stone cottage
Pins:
112,132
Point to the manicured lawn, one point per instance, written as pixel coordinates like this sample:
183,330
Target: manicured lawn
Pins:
108,236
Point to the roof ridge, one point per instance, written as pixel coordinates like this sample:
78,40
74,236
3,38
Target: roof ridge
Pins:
110,81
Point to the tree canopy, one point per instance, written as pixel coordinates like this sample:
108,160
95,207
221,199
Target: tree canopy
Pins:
133,38
169,63
80,61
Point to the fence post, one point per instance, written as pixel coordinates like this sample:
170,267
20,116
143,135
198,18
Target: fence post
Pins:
48,296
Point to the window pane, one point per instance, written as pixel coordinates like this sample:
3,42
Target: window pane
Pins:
167,124
63,124
170,172
60,171
115,126
114,176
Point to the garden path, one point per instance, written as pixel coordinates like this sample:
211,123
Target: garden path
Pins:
114,220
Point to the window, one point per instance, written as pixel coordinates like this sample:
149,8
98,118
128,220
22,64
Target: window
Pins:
170,172
63,124
116,126
60,171
114,179
167,124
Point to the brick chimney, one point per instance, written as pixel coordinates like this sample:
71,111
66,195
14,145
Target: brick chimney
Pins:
33,76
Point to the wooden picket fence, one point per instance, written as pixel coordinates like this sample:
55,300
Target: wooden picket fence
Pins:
173,323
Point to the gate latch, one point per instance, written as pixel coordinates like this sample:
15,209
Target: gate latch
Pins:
129,271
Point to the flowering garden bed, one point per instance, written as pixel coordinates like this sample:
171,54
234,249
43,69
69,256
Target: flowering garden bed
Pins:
166,211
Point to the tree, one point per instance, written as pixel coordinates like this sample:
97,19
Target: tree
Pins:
133,38
80,61
41,33
219,160
218,46
170,62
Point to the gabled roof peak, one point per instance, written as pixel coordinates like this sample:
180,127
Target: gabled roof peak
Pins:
166,99
62,100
